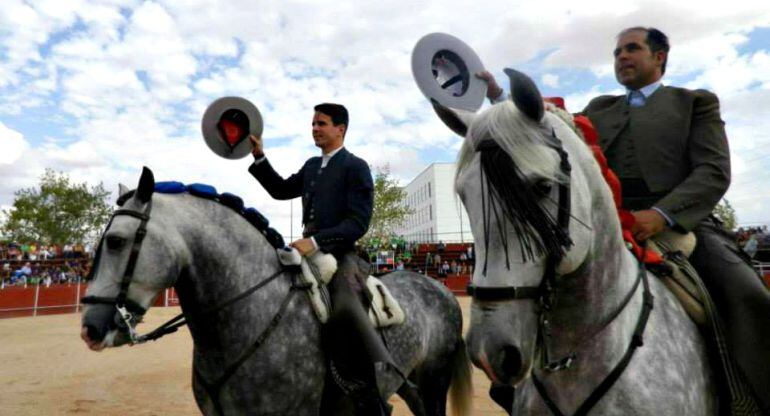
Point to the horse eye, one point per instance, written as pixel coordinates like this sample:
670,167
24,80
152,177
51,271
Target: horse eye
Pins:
115,242
543,187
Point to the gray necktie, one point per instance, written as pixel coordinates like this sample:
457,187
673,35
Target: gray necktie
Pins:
636,99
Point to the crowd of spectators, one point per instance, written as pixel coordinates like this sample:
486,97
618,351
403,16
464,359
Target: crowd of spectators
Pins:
751,239
33,263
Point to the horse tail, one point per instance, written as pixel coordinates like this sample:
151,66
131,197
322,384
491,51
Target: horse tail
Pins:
461,388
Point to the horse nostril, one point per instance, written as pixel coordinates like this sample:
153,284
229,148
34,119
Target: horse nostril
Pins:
511,360
93,333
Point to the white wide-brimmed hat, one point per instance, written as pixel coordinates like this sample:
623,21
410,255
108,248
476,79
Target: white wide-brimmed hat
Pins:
444,68
227,124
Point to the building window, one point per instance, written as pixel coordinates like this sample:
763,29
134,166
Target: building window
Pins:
428,189
430,211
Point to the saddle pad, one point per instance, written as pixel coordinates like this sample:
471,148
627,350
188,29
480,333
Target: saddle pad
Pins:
385,310
319,268
674,248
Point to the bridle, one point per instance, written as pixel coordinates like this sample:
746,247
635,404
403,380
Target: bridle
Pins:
545,295
123,304
121,301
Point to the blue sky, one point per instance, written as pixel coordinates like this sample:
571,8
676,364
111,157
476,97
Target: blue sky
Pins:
97,89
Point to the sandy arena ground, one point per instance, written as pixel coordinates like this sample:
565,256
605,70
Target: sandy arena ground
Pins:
45,369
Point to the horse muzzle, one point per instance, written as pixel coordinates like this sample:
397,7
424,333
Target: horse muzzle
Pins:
501,359
102,327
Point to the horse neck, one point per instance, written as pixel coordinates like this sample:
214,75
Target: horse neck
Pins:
226,256
588,299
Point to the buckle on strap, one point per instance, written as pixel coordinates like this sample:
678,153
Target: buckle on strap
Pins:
127,317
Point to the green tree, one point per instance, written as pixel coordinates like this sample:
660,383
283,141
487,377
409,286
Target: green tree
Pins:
57,212
389,208
726,213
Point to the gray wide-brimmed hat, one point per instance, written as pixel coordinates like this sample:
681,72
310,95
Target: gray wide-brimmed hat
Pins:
444,68
227,124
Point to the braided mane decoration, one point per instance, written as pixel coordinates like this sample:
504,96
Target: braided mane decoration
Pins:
227,199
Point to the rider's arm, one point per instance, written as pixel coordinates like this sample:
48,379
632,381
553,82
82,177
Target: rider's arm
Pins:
709,157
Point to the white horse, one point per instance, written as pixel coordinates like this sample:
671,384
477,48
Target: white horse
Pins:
558,299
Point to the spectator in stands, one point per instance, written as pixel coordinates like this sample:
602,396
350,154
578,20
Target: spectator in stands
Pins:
454,267
437,260
751,246
470,252
441,247
445,268
67,251
428,259
79,250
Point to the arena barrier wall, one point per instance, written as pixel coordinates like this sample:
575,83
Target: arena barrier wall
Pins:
34,300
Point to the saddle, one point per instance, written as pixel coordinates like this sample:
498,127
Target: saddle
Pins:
319,268
678,274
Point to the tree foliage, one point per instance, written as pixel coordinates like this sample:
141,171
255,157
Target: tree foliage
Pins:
726,213
57,212
389,209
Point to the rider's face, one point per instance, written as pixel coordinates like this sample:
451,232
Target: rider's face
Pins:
636,65
326,135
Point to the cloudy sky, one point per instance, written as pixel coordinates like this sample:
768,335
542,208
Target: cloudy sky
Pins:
97,89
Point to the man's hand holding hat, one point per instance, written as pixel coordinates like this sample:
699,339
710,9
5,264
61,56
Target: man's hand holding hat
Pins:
256,144
493,89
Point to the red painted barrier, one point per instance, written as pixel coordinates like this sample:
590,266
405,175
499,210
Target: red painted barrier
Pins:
17,301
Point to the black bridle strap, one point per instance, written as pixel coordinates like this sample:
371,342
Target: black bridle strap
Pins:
174,323
121,300
492,293
141,232
130,304
637,340
213,389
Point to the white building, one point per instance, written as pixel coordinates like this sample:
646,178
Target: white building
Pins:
437,213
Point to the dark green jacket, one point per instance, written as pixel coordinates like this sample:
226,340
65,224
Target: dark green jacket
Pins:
680,146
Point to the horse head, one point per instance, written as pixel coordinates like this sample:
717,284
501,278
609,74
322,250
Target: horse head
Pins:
135,260
523,177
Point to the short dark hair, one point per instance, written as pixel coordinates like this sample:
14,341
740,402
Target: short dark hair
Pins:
656,40
337,112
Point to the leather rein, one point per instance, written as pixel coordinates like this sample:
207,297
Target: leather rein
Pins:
545,295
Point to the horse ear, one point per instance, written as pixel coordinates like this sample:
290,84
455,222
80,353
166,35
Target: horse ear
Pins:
122,190
146,185
457,120
525,94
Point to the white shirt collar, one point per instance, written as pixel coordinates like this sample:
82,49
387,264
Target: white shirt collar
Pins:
647,90
327,156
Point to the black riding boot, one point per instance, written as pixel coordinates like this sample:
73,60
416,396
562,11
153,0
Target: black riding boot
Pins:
348,313
743,303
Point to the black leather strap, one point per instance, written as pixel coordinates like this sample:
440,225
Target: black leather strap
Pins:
490,293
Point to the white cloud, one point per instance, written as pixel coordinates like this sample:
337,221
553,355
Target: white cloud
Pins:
550,80
132,78
13,145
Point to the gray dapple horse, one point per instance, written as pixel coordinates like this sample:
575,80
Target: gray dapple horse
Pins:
558,302
233,293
